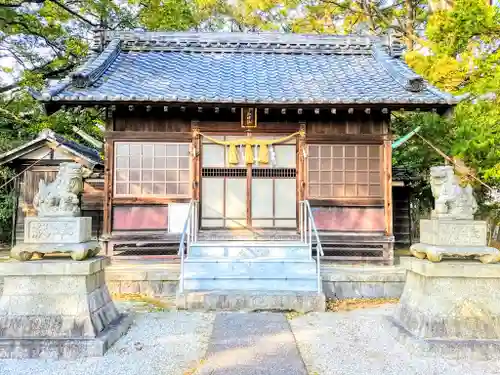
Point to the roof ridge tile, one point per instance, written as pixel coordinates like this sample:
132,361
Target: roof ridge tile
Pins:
94,68
408,79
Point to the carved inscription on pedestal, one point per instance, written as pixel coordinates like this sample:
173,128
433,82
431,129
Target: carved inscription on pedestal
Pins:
57,230
49,232
453,232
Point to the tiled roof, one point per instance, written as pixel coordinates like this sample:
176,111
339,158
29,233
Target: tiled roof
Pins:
91,155
246,68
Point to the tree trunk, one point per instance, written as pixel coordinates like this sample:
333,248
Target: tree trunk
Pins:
410,24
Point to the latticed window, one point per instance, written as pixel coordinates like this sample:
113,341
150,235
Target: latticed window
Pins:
151,169
336,171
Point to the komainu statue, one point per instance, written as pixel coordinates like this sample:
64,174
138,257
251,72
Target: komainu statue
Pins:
450,199
60,197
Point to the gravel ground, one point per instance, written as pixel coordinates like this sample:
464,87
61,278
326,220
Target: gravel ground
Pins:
159,343
358,343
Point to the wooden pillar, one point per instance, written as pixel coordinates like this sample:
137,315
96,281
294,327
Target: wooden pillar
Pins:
195,160
108,185
301,169
387,186
249,189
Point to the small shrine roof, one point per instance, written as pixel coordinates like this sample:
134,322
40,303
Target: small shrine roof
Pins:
89,155
245,68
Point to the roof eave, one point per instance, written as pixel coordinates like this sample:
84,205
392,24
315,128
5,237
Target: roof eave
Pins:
36,143
55,105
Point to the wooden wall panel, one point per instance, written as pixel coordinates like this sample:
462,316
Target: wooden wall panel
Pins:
152,124
234,127
29,185
349,219
140,217
344,128
93,195
92,199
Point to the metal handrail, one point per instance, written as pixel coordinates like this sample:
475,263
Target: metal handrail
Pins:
190,223
307,228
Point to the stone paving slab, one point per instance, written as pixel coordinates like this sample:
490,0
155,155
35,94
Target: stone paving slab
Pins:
252,344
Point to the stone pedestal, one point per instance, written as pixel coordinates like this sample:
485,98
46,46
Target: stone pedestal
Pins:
450,308
452,238
57,309
44,235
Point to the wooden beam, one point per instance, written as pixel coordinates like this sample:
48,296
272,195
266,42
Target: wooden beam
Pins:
347,138
348,202
132,136
149,201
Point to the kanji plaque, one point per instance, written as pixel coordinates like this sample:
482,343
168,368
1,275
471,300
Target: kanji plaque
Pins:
248,118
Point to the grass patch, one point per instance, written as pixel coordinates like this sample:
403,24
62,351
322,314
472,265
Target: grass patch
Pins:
357,303
150,303
293,314
193,370
402,252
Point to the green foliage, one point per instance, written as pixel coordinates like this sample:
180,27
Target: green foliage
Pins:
175,15
462,57
456,49
477,138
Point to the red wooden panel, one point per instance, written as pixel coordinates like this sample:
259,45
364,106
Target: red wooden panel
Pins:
349,218
140,217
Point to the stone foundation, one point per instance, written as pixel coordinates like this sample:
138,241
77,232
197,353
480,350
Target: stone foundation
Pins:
362,281
450,308
264,300
161,280
57,309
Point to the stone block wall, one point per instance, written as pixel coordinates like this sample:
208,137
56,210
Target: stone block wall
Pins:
363,282
160,280
155,280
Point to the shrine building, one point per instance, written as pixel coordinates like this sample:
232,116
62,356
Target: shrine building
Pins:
247,126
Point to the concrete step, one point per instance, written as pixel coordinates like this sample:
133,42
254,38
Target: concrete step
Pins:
246,250
269,283
231,300
254,268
